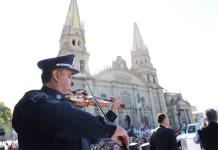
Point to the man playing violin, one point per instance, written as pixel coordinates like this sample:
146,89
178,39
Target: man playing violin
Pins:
45,120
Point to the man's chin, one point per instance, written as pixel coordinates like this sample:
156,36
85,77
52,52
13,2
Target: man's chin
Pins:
68,92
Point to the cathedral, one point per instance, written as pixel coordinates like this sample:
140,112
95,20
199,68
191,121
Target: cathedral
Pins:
137,86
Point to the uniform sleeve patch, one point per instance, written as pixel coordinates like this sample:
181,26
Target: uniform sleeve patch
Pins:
35,97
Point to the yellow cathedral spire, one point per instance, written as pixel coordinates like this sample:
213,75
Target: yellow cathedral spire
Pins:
72,23
138,43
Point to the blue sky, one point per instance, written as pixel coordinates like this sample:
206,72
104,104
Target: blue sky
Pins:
181,37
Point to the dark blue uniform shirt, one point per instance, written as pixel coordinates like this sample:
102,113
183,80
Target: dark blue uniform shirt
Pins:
163,138
45,120
209,136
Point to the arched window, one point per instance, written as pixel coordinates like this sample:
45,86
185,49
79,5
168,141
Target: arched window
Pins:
154,79
138,97
103,95
127,122
148,77
74,42
78,43
145,76
82,66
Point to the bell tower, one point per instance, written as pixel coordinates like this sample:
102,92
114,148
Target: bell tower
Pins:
141,61
73,39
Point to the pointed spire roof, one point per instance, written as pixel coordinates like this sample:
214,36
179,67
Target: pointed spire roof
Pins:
138,43
72,23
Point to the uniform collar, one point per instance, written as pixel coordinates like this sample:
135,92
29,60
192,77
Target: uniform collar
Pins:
161,126
53,92
212,123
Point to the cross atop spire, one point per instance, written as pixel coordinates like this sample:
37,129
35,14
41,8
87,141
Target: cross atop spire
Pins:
72,24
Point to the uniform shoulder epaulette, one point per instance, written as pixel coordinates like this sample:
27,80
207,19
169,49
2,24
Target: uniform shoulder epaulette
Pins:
36,95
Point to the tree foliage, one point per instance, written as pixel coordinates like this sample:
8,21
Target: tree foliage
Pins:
5,117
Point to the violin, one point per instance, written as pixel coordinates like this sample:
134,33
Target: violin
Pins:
83,100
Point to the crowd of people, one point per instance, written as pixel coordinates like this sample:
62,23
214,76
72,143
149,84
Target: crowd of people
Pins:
138,135
9,145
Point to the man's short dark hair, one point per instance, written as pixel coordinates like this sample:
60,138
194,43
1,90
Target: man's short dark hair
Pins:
161,117
46,76
211,115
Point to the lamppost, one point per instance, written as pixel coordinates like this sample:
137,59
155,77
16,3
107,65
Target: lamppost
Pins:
178,111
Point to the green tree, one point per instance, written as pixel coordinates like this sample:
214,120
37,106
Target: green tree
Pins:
5,117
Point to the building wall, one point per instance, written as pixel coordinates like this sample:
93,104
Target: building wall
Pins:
138,86
142,101
179,110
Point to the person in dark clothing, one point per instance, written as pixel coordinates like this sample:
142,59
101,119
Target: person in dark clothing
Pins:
111,116
44,119
163,138
208,134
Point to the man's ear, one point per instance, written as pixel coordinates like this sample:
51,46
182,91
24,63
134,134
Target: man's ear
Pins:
56,75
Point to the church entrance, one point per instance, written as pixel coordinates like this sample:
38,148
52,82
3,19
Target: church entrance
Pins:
127,122
145,120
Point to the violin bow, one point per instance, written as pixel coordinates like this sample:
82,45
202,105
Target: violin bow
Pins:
97,104
123,147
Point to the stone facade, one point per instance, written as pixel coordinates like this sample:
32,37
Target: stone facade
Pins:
179,110
137,86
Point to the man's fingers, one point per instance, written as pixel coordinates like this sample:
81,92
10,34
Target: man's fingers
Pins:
121,141
120,136
125,140
117,140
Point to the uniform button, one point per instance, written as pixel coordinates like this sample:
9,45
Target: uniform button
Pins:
58,96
